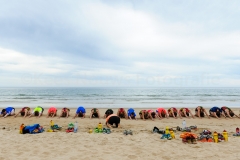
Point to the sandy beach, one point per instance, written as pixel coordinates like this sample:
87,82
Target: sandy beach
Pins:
143,144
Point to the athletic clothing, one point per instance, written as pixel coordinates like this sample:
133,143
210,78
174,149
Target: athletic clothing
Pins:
109,111
201,108
130,111
66,109
81,109
52,110
150,111
214,109
113,119
9,110
142,111
38,109
23,109
160,110
224,108
187,110
174,110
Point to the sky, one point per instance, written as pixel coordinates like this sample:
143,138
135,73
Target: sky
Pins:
127,43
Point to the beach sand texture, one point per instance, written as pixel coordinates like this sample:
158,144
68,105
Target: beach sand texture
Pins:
143,144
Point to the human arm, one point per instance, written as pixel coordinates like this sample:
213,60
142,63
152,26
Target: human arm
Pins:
206,113
191,114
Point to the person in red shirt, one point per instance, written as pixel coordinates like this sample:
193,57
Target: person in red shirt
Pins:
184,112
228,112
122,113
25,111
65,112
172,112
52,111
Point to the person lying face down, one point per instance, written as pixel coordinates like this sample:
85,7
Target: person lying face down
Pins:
216,112
65,112
228,112
143,114
185,112
38,111
152,114
122,113
94,113
113,119
9,111
200,112
25,111
131,114
172,112
80,112
162,113
52,111
108,112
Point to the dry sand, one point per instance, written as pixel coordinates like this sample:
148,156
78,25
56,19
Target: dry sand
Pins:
143,144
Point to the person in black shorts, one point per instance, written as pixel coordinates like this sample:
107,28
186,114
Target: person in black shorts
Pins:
113,119
94,113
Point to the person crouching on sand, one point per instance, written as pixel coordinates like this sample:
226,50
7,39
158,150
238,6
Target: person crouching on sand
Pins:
108,112
122,113
152,114
94,113
216,112
161,112
143,114
200,112
65,112
25,111
131,114
185,112
80,112
113,119
52,111
38,111
172,112
228,112
9,111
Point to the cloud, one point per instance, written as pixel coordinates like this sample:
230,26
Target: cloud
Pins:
120,43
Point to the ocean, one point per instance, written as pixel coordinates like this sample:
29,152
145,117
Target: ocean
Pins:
119,97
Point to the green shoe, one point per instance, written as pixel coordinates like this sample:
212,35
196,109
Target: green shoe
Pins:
96,130
100,130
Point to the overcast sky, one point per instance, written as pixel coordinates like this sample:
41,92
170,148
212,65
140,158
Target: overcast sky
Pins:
139,43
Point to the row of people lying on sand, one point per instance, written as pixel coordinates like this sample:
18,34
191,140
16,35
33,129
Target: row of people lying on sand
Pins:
122,113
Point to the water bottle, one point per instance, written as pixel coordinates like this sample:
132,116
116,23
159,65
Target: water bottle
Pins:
184,124
75,127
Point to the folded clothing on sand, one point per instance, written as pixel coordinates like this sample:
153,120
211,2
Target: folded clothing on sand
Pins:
32,129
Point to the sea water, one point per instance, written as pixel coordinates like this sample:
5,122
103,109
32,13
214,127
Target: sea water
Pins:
119,97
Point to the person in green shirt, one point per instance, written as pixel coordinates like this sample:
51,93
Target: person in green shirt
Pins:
38,111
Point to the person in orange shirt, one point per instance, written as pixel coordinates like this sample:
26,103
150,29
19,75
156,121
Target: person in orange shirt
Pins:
52,111
161,112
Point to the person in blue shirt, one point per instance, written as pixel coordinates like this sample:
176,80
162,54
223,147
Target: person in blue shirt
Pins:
9,111
80,112
216,112
131,114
